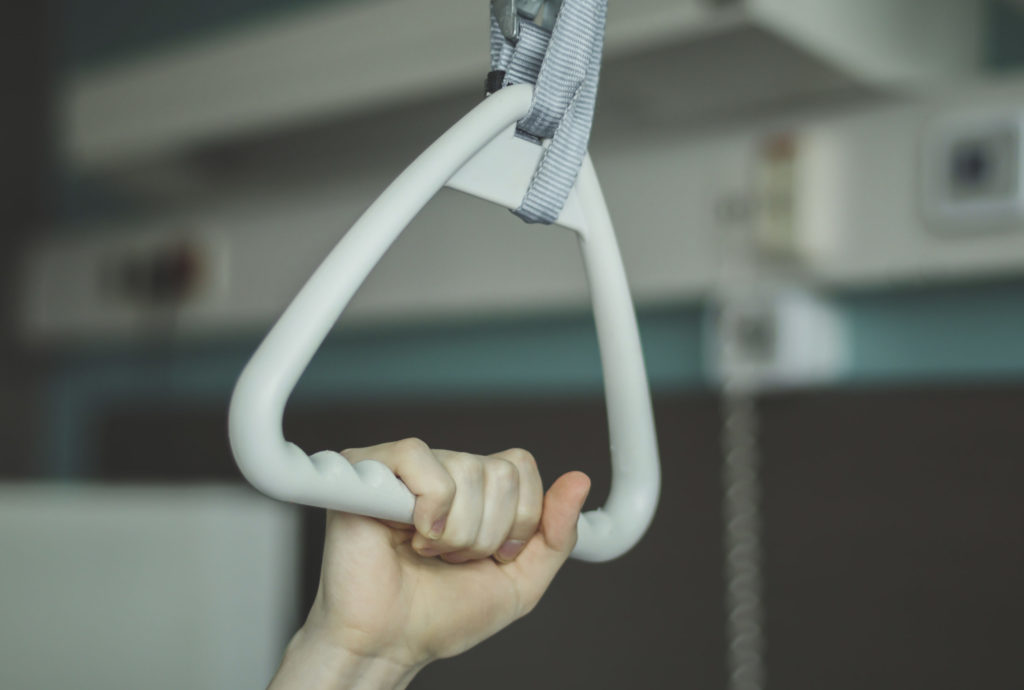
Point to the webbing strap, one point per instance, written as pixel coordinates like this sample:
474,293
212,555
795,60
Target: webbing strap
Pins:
564,65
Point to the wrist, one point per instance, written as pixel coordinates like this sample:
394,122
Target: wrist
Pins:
313,661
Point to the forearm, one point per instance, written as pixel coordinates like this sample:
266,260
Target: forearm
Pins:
313,664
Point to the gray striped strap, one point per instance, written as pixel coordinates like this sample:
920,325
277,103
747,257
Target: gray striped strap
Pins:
564,65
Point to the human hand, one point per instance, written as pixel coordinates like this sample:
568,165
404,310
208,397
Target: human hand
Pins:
485,545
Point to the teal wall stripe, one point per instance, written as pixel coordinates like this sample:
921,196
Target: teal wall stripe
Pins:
947,333
519,357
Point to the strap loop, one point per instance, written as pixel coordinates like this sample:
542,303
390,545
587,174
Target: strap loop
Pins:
565,65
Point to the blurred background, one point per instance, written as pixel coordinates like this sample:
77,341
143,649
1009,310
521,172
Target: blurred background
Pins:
820,205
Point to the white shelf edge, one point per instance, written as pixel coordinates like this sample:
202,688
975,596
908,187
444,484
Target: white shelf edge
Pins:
331,60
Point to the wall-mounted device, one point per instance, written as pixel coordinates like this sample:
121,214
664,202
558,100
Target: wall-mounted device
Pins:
777,338
973,172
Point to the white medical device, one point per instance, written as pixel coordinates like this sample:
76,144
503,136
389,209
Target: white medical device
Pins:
480,155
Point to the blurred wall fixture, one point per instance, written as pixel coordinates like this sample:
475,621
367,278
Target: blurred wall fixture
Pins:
777,338
167,274
973,172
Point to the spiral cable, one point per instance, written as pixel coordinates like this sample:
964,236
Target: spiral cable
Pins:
742,517
740,281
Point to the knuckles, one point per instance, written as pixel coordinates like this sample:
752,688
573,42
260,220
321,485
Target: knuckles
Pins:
445,490
502,471
499,476
410,447
521,457
464,466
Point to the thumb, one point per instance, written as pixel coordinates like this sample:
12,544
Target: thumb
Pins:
549,548
562,505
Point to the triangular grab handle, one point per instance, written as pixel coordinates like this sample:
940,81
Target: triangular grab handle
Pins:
326,479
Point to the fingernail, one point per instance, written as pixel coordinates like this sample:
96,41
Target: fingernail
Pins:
429,552
510,549
437,529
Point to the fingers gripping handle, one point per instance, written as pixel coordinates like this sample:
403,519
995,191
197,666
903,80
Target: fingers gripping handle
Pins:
372,489
282,470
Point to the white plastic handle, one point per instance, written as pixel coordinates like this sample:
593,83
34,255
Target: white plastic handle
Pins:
481,155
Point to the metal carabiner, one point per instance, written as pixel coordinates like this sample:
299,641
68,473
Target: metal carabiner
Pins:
480,155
